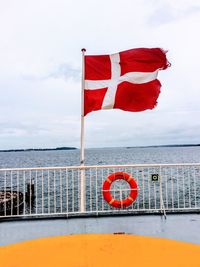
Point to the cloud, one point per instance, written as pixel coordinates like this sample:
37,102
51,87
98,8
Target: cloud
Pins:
63,71
168,12
144,128
40,66
67,72
47,132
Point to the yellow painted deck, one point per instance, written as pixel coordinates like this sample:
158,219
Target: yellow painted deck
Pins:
99,250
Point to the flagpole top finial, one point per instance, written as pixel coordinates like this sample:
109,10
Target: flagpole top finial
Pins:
83,50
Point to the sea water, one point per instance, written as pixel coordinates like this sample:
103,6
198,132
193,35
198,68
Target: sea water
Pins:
100,156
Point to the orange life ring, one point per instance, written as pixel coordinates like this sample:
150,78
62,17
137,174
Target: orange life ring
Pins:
120,203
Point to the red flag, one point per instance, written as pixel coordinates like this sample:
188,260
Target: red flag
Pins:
125,80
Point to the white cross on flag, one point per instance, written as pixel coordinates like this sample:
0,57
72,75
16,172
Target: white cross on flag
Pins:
125,80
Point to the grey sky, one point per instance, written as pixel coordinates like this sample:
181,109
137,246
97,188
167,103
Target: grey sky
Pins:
40,66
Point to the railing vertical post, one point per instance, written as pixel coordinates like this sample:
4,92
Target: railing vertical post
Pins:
5,184
162,207
160,179
82,204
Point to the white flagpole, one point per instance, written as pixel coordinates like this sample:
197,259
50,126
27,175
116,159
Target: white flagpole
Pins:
82,154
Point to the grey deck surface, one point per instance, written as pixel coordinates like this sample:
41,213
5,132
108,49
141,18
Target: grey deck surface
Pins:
183,227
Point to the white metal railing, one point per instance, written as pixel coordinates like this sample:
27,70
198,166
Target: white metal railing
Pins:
57,191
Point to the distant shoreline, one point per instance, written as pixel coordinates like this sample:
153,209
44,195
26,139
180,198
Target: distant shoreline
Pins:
75,148
186,145
38,149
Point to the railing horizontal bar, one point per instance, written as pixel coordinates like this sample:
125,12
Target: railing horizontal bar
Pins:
102,166
99,211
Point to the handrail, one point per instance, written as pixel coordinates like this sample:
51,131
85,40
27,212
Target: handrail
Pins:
101,166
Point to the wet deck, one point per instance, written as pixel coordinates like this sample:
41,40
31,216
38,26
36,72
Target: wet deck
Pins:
183,227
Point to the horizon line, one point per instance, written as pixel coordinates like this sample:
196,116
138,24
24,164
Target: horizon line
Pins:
77,148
